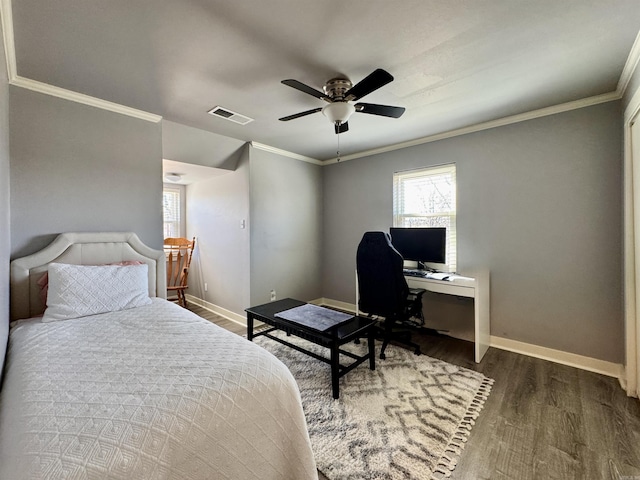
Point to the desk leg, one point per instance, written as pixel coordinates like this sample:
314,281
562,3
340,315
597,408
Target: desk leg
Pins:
249,327
371,339
335,369
482,314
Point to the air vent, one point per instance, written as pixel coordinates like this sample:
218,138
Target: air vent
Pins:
229,115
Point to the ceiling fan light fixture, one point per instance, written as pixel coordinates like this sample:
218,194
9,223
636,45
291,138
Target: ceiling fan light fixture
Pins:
338,112
339,92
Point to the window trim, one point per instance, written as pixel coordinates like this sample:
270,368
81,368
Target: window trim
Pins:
180,189
399,217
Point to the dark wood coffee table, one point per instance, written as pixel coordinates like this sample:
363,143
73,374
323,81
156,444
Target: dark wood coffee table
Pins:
350,330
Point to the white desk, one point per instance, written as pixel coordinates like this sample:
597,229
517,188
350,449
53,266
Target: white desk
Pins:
477,287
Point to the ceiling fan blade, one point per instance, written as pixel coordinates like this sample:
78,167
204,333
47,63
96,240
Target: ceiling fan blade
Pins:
298,115
373,81
343,127
305,88
383,110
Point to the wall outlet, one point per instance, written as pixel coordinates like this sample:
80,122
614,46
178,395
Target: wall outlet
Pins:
206,286
273,295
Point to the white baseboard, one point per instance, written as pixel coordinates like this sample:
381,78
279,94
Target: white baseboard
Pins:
595,365
590,364
234,317
603,367
223,312
348,307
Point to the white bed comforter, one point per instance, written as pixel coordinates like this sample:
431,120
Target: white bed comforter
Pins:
154,392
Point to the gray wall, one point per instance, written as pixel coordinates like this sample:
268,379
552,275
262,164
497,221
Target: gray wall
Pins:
280,201
79,168
5,228
215,210
539,204
182,143
286,227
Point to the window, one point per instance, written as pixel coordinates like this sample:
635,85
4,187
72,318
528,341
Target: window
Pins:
427,198
171,208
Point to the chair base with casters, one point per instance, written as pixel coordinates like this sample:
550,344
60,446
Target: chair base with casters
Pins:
383,290
414,307
392,329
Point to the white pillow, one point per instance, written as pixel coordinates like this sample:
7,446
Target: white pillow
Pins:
80,290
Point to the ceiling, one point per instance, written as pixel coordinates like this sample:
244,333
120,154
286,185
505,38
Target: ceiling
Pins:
456,63
188,173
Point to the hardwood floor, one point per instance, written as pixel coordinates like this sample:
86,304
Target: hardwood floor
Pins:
541,421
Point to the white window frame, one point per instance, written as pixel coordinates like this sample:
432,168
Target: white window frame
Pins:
430,210
178,229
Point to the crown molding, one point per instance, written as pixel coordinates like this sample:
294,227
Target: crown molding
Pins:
285,153
52,90
522,117
629,67
6,17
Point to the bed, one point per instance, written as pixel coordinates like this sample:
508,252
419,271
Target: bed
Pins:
147,391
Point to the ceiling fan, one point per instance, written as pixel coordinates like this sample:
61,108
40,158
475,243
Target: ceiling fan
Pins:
339,92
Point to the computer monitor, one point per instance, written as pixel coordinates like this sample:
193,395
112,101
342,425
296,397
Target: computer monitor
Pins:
426,246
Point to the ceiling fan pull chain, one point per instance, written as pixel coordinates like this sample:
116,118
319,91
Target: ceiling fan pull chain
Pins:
338,152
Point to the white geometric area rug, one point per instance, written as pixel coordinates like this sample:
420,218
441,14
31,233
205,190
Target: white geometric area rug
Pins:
408,419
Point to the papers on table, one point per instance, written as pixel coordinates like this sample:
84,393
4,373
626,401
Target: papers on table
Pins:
439,276
313,316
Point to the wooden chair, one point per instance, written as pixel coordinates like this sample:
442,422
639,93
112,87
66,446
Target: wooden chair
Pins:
179,252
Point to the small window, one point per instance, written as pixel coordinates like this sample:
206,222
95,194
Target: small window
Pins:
427,198
171,208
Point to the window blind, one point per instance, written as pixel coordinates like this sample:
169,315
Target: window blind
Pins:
171,209
427,198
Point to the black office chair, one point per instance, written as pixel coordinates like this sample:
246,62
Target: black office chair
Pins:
383,290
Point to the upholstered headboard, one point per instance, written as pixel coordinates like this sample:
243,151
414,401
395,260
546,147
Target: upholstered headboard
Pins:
81,249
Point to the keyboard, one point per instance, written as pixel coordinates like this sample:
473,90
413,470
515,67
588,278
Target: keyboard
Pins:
412,272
